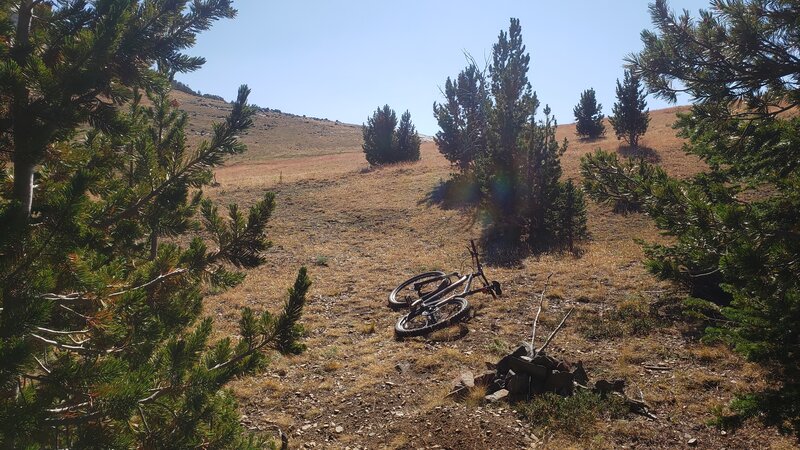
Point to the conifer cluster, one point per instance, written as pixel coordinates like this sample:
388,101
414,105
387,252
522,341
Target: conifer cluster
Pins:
589,116
490,132
386,142
735,225
629,117
107,242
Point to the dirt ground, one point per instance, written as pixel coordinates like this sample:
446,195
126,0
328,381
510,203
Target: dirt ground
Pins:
361,232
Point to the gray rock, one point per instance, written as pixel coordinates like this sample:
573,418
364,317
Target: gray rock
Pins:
519,386
560,383
497,396
486,378
580,375
604,387
466,379
402,367
536,371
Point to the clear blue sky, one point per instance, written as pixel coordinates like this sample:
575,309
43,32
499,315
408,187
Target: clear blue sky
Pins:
341,60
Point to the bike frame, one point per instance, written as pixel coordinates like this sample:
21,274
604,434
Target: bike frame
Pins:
434,298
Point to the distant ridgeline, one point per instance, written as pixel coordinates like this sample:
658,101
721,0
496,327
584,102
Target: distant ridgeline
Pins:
178,86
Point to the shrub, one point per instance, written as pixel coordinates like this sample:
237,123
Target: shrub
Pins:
589,116
631,317
629,118
735,225
575,415
104,260
489,126
385,142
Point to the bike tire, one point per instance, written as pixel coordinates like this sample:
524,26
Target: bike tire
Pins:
397,298
454,309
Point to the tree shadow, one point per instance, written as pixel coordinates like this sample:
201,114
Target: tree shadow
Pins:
647,153
589,140
503,247
459,192
624,208
507,248
449,334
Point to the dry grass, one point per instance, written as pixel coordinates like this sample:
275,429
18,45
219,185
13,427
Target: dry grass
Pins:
273,135
375,228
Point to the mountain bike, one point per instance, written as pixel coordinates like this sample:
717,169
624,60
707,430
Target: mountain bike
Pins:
433,300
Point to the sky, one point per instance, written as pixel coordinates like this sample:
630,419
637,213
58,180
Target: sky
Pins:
342,60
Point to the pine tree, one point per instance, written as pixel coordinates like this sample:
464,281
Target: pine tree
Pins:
735,224
407,140
630,119
568,216
496,136
385,142
589,116
513,105
379,136
463,119
540,171
102,263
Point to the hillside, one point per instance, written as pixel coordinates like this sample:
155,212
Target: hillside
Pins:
274,135
362,231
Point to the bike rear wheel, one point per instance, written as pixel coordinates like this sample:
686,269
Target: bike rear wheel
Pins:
417,287
426,320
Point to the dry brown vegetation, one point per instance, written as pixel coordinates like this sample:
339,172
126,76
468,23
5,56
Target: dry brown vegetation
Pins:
361,232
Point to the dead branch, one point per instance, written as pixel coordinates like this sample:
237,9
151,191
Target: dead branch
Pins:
637,406
41,364
67,408
69,420
67,332
67,308
144,420
73,348
155,280
539,311
651,367
73,297
553,334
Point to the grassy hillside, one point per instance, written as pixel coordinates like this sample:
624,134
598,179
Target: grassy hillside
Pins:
274,135
361,232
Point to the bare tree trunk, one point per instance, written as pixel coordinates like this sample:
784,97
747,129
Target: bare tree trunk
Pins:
23,188
153,245
24,162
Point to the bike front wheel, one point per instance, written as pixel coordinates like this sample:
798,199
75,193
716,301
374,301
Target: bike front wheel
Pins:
428,319
417,287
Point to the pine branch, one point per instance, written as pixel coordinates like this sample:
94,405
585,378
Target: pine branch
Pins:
283,336
208,155
245,242
286,332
